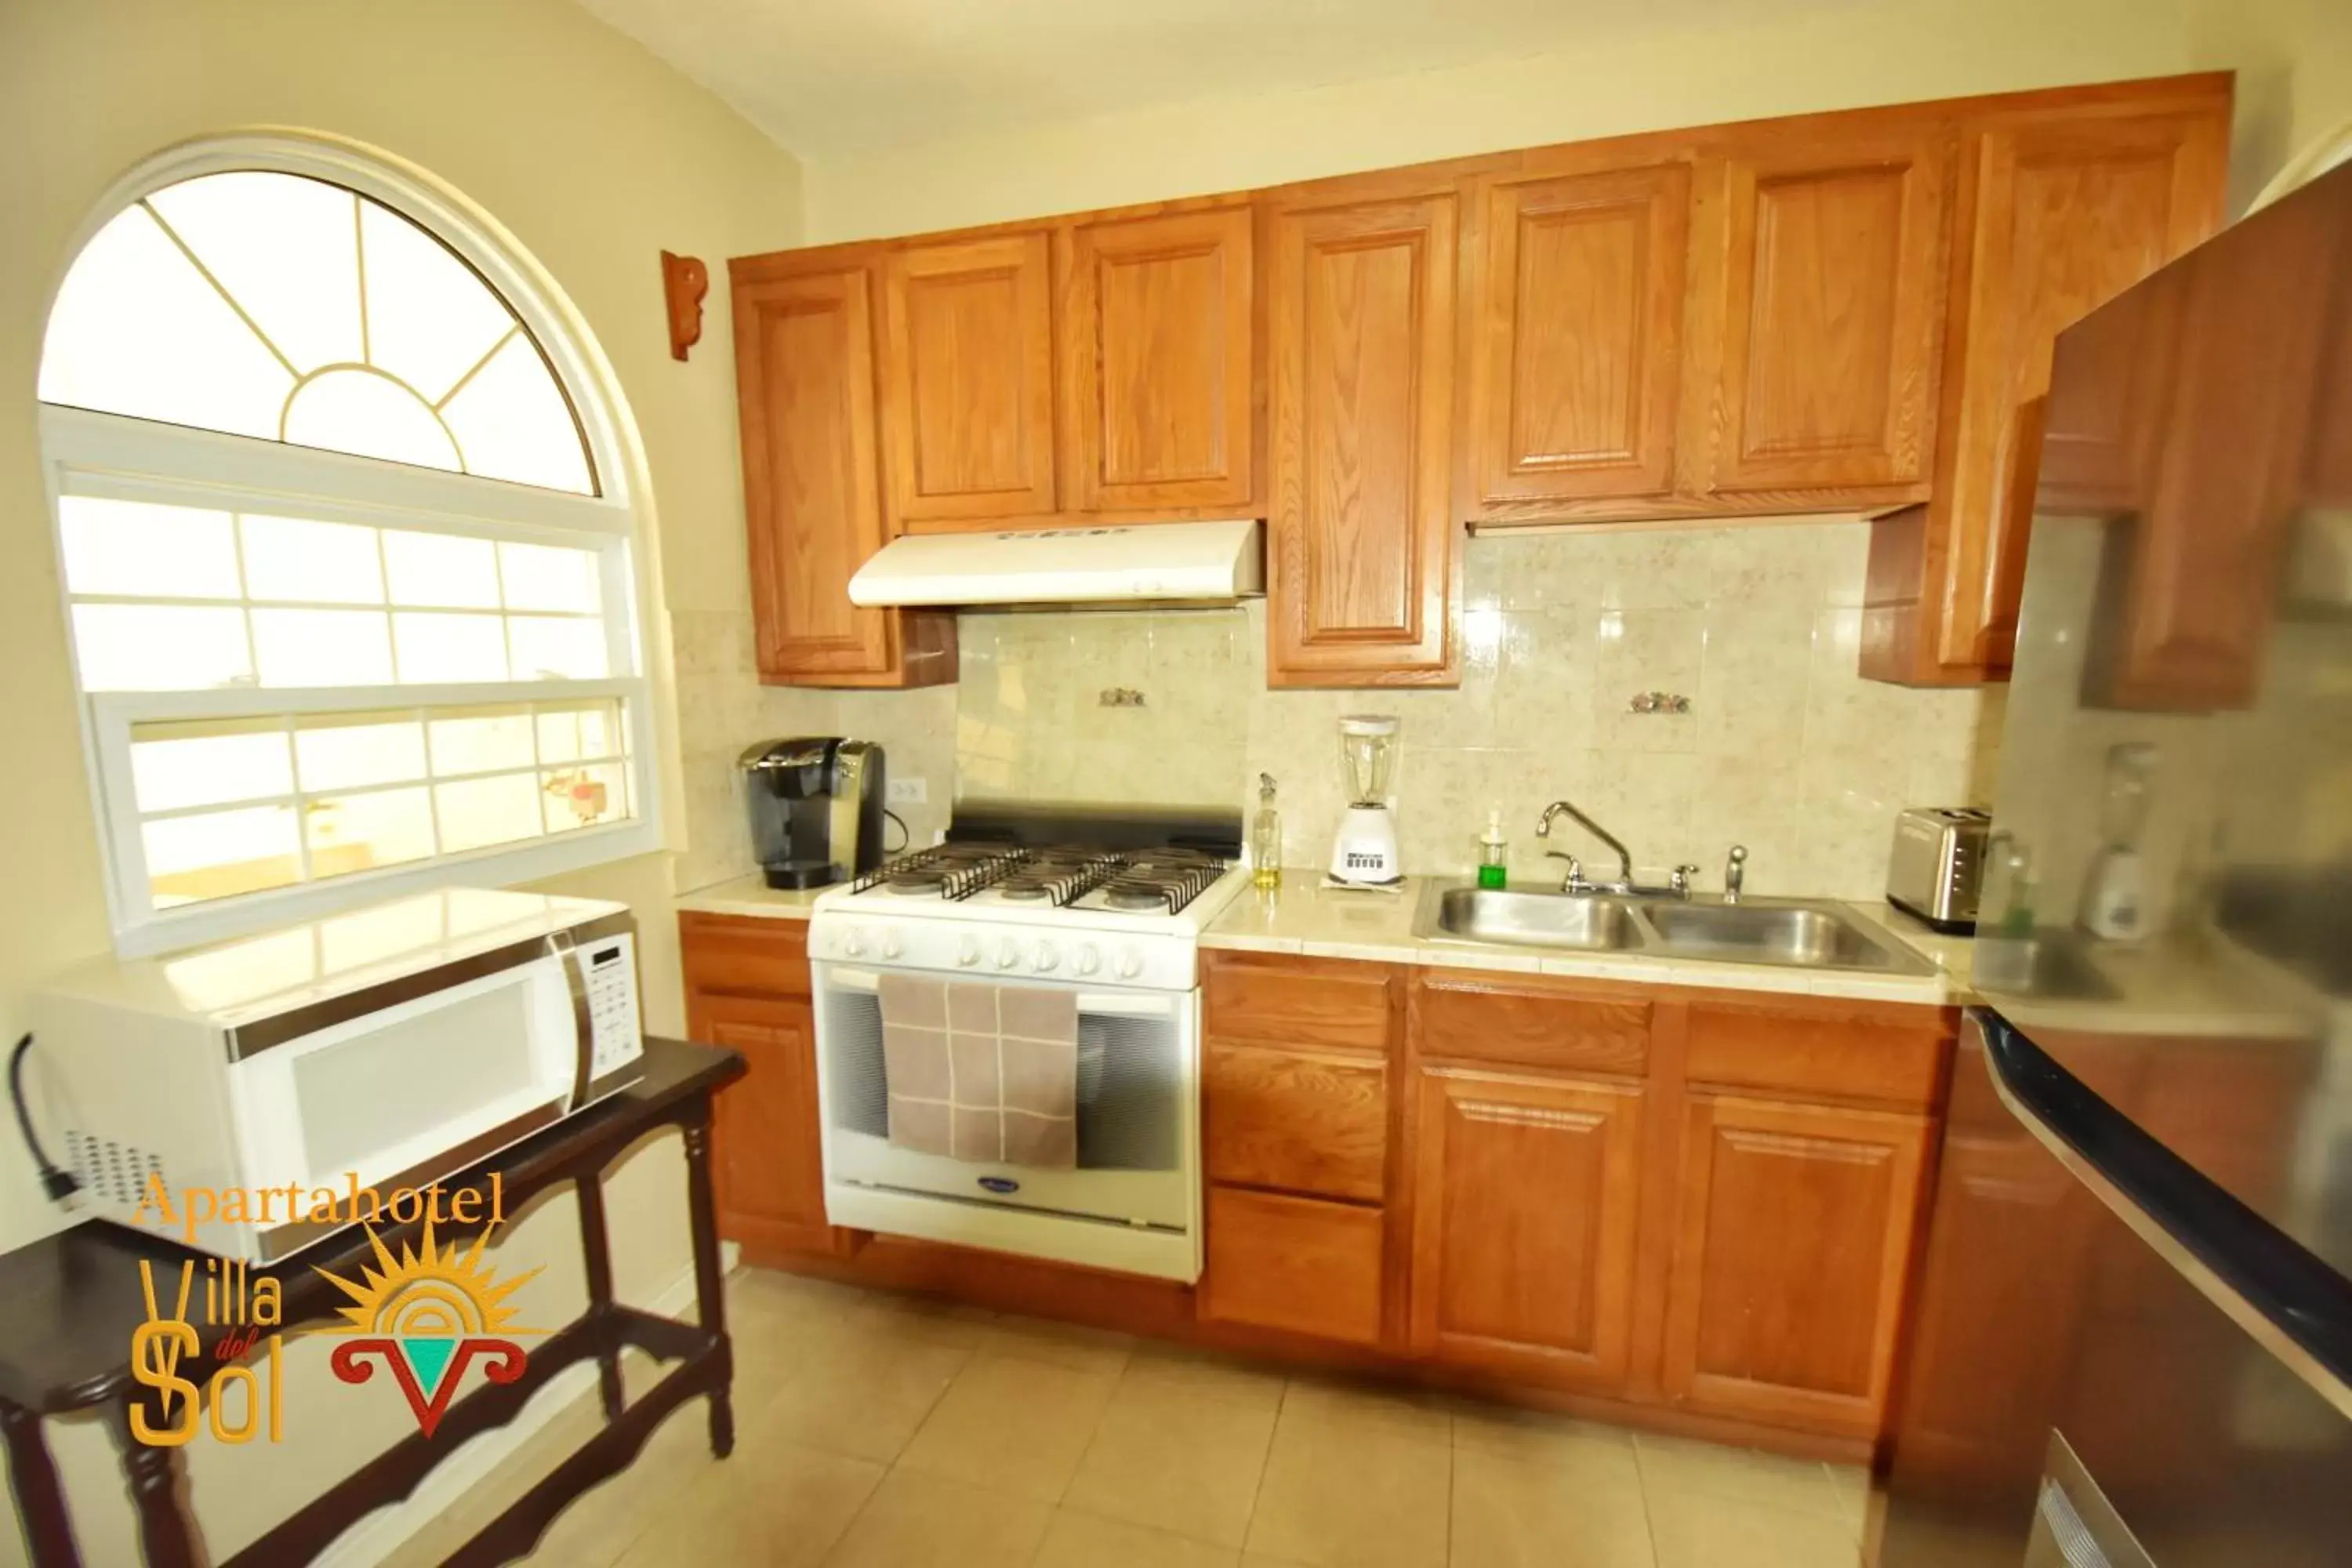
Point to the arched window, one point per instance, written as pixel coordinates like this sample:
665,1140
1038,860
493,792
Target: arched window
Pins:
344,560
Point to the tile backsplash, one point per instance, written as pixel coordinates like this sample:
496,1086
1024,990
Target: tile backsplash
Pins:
1783,747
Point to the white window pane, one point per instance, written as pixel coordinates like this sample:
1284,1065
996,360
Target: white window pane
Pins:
321,647
576,734
480,744
478,812
360,411
326,563
434,647
219,853
136,329
159,648
172,768
285,248
552,577
584,797
430,317
512,423
349,755
144,551
552,647
360,832
441,571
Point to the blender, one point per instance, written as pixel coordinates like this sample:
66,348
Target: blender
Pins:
1366,852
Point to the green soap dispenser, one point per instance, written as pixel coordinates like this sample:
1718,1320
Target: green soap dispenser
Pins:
1493,853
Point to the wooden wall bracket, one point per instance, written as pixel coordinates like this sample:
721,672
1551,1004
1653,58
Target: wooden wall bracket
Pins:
684,280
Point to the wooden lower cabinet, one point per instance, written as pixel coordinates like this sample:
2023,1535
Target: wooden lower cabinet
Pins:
1792,1244
1303,1265
771,1167
1526,1194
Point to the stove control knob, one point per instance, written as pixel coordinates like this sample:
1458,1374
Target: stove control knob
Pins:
967,952
1008,953
892,943
1089,958
1130,964
1045,959
853,941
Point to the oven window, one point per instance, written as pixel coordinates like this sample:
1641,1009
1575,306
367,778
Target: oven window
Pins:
427,1074
1130,1109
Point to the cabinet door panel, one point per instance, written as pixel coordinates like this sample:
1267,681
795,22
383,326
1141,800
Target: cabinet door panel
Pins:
1789,1259
970,389
769,1162
1362,352
1296,1263
1525,1195
1157,363
1833,315
1577,352
805,365
2067,215
1307,1121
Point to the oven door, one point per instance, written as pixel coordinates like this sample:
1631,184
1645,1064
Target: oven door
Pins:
1138,1110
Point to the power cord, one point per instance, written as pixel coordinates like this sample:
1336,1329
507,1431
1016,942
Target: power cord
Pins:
906,835
60,1185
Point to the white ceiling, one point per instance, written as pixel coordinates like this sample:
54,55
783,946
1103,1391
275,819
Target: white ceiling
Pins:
825,77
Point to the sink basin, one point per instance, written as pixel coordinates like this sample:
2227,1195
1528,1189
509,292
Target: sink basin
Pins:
1532,920
1787,932
1807,936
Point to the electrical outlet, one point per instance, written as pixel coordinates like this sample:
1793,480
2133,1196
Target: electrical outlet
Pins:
909,792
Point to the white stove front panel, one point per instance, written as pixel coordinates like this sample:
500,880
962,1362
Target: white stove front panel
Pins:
1155,961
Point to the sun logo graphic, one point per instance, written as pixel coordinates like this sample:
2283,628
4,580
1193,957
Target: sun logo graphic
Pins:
429,1313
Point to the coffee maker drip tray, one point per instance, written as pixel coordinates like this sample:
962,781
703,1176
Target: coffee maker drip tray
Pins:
799,874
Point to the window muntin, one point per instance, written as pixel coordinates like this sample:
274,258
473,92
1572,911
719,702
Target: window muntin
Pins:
275,306
295,659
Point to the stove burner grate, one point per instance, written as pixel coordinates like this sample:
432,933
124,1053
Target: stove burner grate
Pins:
1163,880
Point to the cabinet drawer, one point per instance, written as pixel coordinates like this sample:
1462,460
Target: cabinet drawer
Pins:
1299,1264
1300,1001
1532,1023
1891,1056
758,957
1313,1121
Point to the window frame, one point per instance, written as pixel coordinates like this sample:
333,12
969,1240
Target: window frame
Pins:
85,452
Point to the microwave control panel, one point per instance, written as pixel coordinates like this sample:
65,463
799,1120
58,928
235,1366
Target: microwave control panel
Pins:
608,974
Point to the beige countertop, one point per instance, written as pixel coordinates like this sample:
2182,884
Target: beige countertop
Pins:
751,896
1303,916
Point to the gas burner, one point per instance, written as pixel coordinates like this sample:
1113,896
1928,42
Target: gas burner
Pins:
1139,897
914,881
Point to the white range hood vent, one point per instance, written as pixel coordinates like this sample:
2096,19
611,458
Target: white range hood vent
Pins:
1137,563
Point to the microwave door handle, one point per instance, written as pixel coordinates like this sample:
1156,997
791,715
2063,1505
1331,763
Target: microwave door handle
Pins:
583,1030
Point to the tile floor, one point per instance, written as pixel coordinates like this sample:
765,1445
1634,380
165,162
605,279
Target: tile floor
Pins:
876,1431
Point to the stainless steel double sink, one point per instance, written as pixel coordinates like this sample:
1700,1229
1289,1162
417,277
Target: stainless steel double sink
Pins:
1796,934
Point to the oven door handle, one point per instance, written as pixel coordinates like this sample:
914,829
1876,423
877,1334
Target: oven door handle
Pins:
1100,1003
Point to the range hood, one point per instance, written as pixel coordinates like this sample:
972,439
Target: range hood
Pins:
1133,563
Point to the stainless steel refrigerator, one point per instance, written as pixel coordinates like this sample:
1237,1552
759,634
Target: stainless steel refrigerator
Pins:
2132,1336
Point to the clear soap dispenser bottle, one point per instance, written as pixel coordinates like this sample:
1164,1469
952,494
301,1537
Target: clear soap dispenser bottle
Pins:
1265,837
1494,866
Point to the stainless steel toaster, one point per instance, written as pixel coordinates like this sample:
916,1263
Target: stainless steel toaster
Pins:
1938,866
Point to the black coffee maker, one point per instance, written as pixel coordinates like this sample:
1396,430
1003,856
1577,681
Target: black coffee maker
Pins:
816,809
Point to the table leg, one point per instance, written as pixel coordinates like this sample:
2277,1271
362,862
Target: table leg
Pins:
167,1534
596,1245
40,1501
709,1283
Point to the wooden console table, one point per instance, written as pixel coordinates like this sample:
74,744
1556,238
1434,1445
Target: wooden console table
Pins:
68,1306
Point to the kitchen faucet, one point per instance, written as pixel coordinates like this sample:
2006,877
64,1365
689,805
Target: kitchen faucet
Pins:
1574,881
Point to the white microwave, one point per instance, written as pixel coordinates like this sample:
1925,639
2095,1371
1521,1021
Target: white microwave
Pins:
376,1052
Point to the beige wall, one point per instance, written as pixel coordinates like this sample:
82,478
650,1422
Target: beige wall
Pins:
2294,60
1853,55
594,155
1784,749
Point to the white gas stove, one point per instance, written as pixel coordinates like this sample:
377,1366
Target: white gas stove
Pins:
1087,915
1076,912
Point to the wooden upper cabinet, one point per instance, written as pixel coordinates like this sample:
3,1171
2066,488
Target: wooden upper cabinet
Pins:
1527,1199
2060,209
1832,312
1360,556
968,379
1575,337
1791,1255
812,496
1158,364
